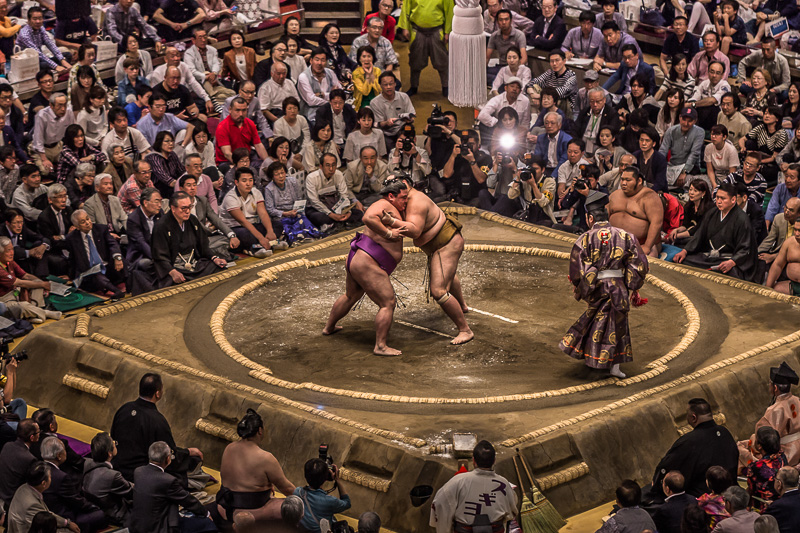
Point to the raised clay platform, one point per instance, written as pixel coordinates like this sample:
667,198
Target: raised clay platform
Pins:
250,337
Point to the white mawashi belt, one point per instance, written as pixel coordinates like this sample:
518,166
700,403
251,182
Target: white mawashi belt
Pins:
790,438
608,274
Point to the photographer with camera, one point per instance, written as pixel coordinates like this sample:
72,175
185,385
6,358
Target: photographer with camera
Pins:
407,158
440,136
319,506
464,173
536,192
582,188
8,380
503,173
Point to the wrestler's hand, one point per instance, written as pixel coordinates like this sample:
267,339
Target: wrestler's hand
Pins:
679,257
387,219
194,452
727,266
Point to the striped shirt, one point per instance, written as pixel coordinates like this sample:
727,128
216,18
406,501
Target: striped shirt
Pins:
687,85
565,84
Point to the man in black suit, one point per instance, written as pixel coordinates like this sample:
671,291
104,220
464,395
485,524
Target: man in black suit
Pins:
91,245
597,115
48,427
141,276
786,509
10,139
31,250
138,424
54,222
346,120
157,495
63,496
549,30
668,516
16,458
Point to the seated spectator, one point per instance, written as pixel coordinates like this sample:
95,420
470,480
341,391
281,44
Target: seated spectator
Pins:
93,117
708,95
781,9
410,159
549,102
238,63
779,230
512,98
610,53
761,472
669,115
78,92
51,126
365,176
553,134
577,194
86,58
369,522
126,89
493,7
549,30
767,59
326,189
54,224
732,238
63,496
203,60
537,194
783,191
141,106
337,58
760,98
698,66
571,169
631,65
77,150
130,46
277,54
463,174
273,92
712,503
238,131
365,135
81,187
683,142
513,69
89,247
609,13
204,185
294,61
187,78
318,504
785,509
561,79
791,107
678,41
9,30
608,155
104,486
584,40
165,163
677,78
384,13
316,83
203,145
16,458
9,175
221,238
501,40
729,25
638,98
30,248
340,115
14,112
754,212
293,126
730,117
157,494
119,166
244,211
25,195
651,163
630,517
21,292
139,228
321,142
693,212
509,133
133,141
279,151
384,57
667,517
707,445
40,100
74,33
768,138
177,18
33,35
393,109
28,501
104,208
291,27
130,191
122,21
241,159
722,158
177,97
736,501
591,120
48,427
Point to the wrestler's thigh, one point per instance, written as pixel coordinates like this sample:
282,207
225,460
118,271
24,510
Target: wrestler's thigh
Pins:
374,281
446,259
351,287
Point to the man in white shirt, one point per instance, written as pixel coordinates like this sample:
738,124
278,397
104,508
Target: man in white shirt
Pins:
571,168
48,132
316,83
275,90
512,97
328,197
173,59
132,140
708,95
392,109
203,60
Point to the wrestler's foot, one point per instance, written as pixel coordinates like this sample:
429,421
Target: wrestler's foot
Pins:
464,309
386,351
336,329
463,337
617,373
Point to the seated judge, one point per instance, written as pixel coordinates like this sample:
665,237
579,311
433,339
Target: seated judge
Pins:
96,257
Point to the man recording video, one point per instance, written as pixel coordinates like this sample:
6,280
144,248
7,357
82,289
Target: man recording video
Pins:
318,504
463,175
406,157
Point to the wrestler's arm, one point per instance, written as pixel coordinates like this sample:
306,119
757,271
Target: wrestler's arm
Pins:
414,223
778,265
372,220
276,476
655,216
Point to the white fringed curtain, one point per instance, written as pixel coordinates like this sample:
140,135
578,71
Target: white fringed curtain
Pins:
467,55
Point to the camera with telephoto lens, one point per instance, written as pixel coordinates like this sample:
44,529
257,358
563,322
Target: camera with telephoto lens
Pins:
408,134
435,123
323,454
581,184
526,172
19,356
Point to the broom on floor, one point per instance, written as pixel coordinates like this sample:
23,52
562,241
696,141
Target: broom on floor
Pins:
537,514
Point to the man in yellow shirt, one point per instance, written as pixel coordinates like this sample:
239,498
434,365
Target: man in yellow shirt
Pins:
428,24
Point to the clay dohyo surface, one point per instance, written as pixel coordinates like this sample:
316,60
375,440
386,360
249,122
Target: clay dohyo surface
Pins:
279,326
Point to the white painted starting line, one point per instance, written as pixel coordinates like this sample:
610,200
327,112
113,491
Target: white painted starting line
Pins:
504,319
409,324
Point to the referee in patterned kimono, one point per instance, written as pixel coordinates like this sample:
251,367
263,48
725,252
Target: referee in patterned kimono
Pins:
427,23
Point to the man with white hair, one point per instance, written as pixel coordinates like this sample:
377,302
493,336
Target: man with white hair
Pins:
48,131
106,209
369,522
187,79
275,90
741,520
95,256
552,144
63,496
385,56
157,495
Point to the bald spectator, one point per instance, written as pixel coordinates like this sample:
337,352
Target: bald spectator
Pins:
369,522
275,90
668,516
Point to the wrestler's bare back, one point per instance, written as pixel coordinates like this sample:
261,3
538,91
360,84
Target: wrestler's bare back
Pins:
373,213
246,467
793,259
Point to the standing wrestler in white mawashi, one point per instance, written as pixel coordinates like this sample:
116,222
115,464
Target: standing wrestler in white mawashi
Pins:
439,236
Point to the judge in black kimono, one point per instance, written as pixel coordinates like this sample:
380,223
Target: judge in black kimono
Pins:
180,245
724,242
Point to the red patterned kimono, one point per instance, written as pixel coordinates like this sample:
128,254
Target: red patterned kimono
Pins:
606,265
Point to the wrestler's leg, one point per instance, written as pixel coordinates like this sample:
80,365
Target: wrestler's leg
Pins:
345,302
443,271
784,287
379,289
455,290
271,511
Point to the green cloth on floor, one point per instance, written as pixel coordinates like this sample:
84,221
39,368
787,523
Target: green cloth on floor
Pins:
74,300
